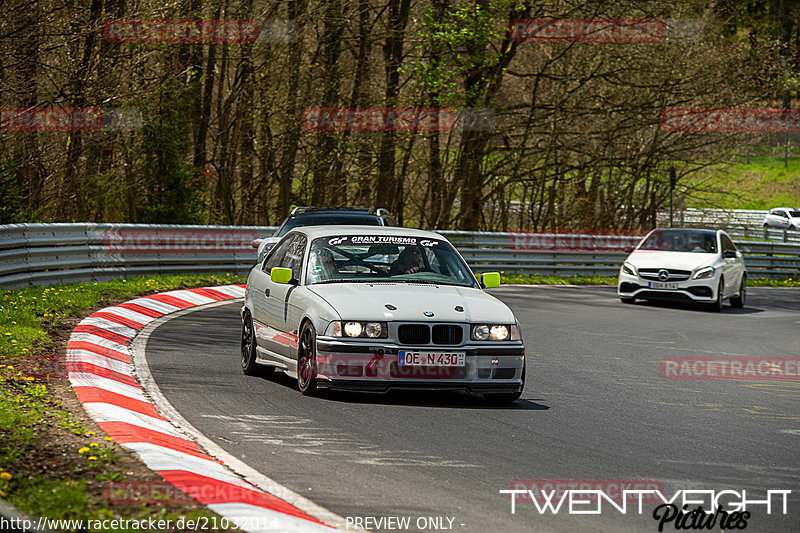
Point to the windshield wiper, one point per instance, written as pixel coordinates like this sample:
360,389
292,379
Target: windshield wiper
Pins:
429,282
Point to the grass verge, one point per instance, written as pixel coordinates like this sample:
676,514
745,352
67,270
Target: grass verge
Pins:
54,461
757,182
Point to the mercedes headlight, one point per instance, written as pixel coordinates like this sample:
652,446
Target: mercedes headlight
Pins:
629,269
704,273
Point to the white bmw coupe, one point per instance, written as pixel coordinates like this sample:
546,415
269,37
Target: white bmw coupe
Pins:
378,308
692,265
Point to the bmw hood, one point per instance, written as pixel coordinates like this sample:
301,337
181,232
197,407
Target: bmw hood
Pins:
368,301
676,260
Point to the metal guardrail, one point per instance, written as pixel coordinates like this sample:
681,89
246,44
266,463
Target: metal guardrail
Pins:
49,254
595,255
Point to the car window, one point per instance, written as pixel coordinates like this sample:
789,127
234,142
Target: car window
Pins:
293,258
275,257
727,243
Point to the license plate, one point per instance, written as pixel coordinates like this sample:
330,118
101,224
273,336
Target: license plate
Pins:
661,285
431,358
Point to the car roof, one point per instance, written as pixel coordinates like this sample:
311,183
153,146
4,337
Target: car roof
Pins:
300,211
329,231
702,230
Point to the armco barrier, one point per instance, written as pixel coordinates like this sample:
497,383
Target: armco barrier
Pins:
48,254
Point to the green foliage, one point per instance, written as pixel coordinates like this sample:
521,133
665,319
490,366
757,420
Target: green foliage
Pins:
12,197
170,195
461,39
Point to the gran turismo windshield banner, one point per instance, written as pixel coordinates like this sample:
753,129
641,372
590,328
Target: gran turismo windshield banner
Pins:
397,240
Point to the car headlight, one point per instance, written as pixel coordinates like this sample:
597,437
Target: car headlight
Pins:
494,332
480,333
498,333
373,329
629,269
704,273
355,329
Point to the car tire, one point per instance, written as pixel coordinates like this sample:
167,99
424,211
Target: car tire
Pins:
627,300
716,306
307,360
248,349
739,301
506,397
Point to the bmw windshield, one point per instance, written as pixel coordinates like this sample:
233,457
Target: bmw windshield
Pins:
386,258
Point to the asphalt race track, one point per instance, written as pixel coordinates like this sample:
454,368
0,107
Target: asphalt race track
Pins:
595,407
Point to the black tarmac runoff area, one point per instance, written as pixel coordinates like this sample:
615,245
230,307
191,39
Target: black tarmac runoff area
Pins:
596,413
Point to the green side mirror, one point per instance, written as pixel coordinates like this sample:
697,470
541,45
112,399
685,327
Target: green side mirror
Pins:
280,275
490,279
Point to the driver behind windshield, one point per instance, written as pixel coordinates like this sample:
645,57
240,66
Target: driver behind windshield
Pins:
408,262
323,267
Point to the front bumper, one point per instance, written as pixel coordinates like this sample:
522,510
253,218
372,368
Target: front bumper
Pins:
372,367
690,290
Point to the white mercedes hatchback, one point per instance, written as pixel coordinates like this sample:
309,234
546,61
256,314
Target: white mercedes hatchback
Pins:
377,308
692,265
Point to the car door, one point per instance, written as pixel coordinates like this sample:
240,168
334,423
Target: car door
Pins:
732,267
262,288
280,312
782,218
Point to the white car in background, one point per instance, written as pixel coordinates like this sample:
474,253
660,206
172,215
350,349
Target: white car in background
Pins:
692,265
377,308
783,217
